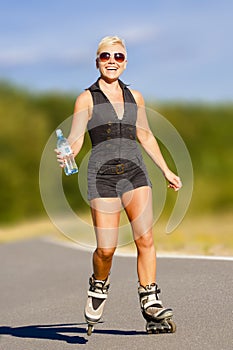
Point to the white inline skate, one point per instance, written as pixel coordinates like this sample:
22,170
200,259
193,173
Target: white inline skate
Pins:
158,318
97,295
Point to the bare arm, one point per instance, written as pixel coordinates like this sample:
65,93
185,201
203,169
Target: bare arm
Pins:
149,143
82,113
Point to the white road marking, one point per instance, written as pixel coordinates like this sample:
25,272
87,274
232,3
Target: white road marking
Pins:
73,245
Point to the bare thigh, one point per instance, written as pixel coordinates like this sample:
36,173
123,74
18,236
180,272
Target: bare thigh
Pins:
106,218
139,209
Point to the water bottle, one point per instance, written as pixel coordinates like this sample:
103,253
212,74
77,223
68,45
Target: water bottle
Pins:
63,146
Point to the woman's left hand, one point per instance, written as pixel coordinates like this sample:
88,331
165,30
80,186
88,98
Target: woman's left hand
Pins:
174,180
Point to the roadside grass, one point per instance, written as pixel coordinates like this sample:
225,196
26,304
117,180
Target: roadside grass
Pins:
27,230
207,235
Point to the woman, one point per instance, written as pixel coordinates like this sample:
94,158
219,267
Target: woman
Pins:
117,177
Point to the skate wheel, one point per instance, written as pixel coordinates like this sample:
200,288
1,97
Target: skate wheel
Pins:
90,329
152,328
172,326
153,331
167,326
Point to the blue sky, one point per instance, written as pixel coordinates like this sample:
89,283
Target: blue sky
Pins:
176,49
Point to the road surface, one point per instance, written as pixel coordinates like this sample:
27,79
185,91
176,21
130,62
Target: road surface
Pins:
43,292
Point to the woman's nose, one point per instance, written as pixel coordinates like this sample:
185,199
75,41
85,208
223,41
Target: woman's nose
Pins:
112,59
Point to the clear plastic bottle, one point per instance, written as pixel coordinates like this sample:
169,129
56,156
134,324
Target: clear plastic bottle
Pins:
63,146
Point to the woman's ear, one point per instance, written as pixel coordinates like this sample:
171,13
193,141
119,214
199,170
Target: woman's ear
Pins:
125,64
97,63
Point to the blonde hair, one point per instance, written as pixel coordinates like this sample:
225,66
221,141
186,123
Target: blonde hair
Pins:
110,40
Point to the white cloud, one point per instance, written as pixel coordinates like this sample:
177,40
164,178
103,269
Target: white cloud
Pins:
139,34
33,55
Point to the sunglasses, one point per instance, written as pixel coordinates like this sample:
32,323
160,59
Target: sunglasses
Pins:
105,56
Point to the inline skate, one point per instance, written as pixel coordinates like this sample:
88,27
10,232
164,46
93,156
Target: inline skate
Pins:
158,318
97,295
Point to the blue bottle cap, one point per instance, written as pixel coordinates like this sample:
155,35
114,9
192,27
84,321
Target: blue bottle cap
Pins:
59,133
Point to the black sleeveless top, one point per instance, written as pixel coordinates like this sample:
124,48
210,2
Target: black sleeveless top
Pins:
112,137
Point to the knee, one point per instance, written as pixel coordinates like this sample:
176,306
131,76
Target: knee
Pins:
105,254
145,242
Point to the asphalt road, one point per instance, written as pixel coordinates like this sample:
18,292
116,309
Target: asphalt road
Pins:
43,292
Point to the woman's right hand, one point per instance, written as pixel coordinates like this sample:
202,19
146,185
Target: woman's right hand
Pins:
60,158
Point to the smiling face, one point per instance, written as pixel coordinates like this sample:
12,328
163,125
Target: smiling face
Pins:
111,66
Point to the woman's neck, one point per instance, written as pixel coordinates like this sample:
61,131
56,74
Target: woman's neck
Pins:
109,86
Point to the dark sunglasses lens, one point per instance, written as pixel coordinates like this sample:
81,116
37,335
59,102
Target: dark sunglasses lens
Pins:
104,56
119,57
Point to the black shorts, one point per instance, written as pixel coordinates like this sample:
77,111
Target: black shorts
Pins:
115,177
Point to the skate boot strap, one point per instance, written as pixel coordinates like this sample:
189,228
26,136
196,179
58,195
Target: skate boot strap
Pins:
99,287
145,304
147,293
97,295
149,296
151,289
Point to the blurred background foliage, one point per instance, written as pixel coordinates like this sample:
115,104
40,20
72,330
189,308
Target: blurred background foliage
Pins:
28,120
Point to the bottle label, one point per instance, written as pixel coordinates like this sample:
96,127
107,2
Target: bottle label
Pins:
66,150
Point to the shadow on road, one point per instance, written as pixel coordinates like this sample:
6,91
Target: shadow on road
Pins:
55,332
51,332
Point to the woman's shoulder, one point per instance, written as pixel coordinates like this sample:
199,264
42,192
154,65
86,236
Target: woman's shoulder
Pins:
137,96
83,103
84,99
